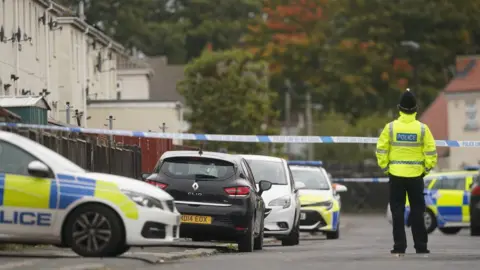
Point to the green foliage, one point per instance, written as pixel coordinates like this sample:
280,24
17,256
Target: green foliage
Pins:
179,29
227,93
336,124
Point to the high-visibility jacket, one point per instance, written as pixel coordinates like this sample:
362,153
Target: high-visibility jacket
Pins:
406,147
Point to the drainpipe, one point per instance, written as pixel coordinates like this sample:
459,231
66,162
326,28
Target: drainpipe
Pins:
84,79
17,46
109,80
47,47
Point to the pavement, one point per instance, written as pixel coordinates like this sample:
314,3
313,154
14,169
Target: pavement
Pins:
364,243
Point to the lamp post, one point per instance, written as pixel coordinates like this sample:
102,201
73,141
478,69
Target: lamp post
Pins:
414,46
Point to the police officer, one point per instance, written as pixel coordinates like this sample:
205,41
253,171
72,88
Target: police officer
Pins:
406,152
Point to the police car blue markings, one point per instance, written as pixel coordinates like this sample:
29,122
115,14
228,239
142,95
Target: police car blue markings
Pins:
335,219
450,213
466,198
53,200
406,137
73,189
25,218
2,185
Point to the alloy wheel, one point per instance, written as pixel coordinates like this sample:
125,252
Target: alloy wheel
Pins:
92,231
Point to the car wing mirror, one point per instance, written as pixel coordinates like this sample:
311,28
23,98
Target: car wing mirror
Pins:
264,185
38,169
340,188
299,185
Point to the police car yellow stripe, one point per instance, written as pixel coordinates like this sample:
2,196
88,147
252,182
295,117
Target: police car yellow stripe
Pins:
28,192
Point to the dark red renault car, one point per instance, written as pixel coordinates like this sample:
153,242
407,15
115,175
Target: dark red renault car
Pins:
216,195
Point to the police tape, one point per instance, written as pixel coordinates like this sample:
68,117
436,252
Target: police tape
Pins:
361,180
230,138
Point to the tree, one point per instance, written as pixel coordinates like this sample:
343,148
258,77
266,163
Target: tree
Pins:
293,36
336,124
179,29
227,93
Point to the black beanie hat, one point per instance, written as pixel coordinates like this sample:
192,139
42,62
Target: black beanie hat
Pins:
408,102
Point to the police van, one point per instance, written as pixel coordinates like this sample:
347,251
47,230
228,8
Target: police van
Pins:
47,199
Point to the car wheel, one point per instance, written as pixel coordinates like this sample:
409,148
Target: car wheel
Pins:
474,230
430,221
258,244
335,234
245,243
95,231
293,237
450,230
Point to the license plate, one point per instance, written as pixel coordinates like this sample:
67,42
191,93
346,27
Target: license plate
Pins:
196,219
303,216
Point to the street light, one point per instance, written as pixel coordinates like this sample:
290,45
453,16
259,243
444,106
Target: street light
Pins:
415,46
410,43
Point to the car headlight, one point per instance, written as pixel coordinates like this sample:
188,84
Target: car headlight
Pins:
143,200
327,204
284,201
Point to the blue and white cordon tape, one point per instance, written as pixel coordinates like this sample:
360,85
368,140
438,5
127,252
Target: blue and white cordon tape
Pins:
361,180
230,138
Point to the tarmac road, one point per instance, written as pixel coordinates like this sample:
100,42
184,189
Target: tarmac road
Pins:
365,244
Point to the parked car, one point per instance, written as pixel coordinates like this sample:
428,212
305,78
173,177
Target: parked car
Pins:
47,199
447,199
282,215
216,194
475,206
320,209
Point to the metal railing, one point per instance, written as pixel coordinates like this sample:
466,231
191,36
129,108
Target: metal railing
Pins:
90,152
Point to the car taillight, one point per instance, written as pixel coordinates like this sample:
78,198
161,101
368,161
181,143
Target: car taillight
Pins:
237,191
157,184
475,190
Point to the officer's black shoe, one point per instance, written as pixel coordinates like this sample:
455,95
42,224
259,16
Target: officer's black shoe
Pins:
423,251
397,251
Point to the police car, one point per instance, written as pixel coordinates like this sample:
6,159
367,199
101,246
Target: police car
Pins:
319,198
47,199
447,201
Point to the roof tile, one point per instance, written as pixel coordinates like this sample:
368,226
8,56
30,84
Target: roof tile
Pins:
467,78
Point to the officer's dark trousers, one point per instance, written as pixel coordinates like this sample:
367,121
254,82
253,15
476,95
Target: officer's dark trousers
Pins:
399,188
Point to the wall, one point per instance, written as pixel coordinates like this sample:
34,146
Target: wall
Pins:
139,115
133,84
457,122
31,53
56,57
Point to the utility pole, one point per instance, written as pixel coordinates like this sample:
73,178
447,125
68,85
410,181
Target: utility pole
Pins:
110,122
67,110
288,108
163,127
308,115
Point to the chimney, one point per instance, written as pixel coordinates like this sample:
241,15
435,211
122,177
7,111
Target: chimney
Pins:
81,10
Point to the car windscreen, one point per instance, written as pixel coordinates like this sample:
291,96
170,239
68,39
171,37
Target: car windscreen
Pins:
312,178
197,168
272,171
427,182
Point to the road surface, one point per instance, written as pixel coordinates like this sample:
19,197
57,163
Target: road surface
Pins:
365,244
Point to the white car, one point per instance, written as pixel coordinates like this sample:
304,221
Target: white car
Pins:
282,214
47,199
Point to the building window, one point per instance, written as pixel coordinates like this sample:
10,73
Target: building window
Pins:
471,115
119,95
